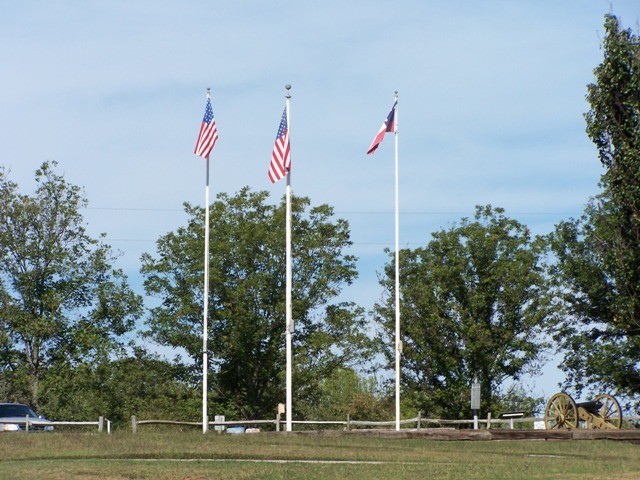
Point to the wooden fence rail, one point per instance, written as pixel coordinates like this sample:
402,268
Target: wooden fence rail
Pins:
100,424
418,422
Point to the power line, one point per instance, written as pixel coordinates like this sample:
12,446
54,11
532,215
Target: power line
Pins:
134,209
385,244
340,212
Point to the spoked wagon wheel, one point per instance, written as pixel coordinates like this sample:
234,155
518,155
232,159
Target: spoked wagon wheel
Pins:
610,411
561,412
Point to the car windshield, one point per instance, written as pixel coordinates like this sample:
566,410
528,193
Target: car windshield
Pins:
17,411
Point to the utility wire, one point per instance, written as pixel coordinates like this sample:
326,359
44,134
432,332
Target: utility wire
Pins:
341,212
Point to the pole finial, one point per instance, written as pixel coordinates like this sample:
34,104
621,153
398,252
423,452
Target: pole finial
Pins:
208,91
288,87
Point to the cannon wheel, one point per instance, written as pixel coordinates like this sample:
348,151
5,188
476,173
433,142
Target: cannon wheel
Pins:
610,411
561,412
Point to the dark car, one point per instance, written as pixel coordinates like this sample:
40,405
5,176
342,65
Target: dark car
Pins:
16,416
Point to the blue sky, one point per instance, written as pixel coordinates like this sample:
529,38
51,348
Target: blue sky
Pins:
491,104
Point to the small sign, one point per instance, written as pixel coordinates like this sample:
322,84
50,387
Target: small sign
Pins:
281,408
539,425
219,418
475,395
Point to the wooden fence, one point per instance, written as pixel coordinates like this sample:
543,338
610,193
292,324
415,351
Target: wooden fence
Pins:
100,424
416,422
104,424
348,424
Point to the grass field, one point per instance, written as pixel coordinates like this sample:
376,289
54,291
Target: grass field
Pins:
192,455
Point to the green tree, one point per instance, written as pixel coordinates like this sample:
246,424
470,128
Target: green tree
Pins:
60,298
137,383
346,393
246,300
598,255
472,304
517,398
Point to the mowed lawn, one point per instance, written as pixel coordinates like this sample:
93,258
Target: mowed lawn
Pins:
172,454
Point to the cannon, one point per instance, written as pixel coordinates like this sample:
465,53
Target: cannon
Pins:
562,412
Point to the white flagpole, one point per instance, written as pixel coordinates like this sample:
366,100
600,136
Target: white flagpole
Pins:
289,319
397,283
205,300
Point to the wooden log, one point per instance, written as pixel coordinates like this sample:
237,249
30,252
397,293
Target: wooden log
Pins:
597,434
531,434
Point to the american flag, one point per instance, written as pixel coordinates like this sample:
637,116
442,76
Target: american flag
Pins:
389,125
281,157
208,133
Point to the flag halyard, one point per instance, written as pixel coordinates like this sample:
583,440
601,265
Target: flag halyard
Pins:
389,125
208,133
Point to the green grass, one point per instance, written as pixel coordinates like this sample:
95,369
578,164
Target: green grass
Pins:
192,455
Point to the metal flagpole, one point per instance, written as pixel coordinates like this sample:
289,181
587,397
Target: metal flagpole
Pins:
289,319
397,292
205,301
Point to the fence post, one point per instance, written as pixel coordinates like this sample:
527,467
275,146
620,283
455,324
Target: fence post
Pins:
488,420
134,426
348,423
100,424
419,418
278,422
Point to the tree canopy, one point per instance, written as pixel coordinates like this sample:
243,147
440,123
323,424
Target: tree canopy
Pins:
473,303
61,300
246,297
598,255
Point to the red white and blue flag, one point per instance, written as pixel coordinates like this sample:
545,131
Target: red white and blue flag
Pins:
208,133
389,125
281,157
